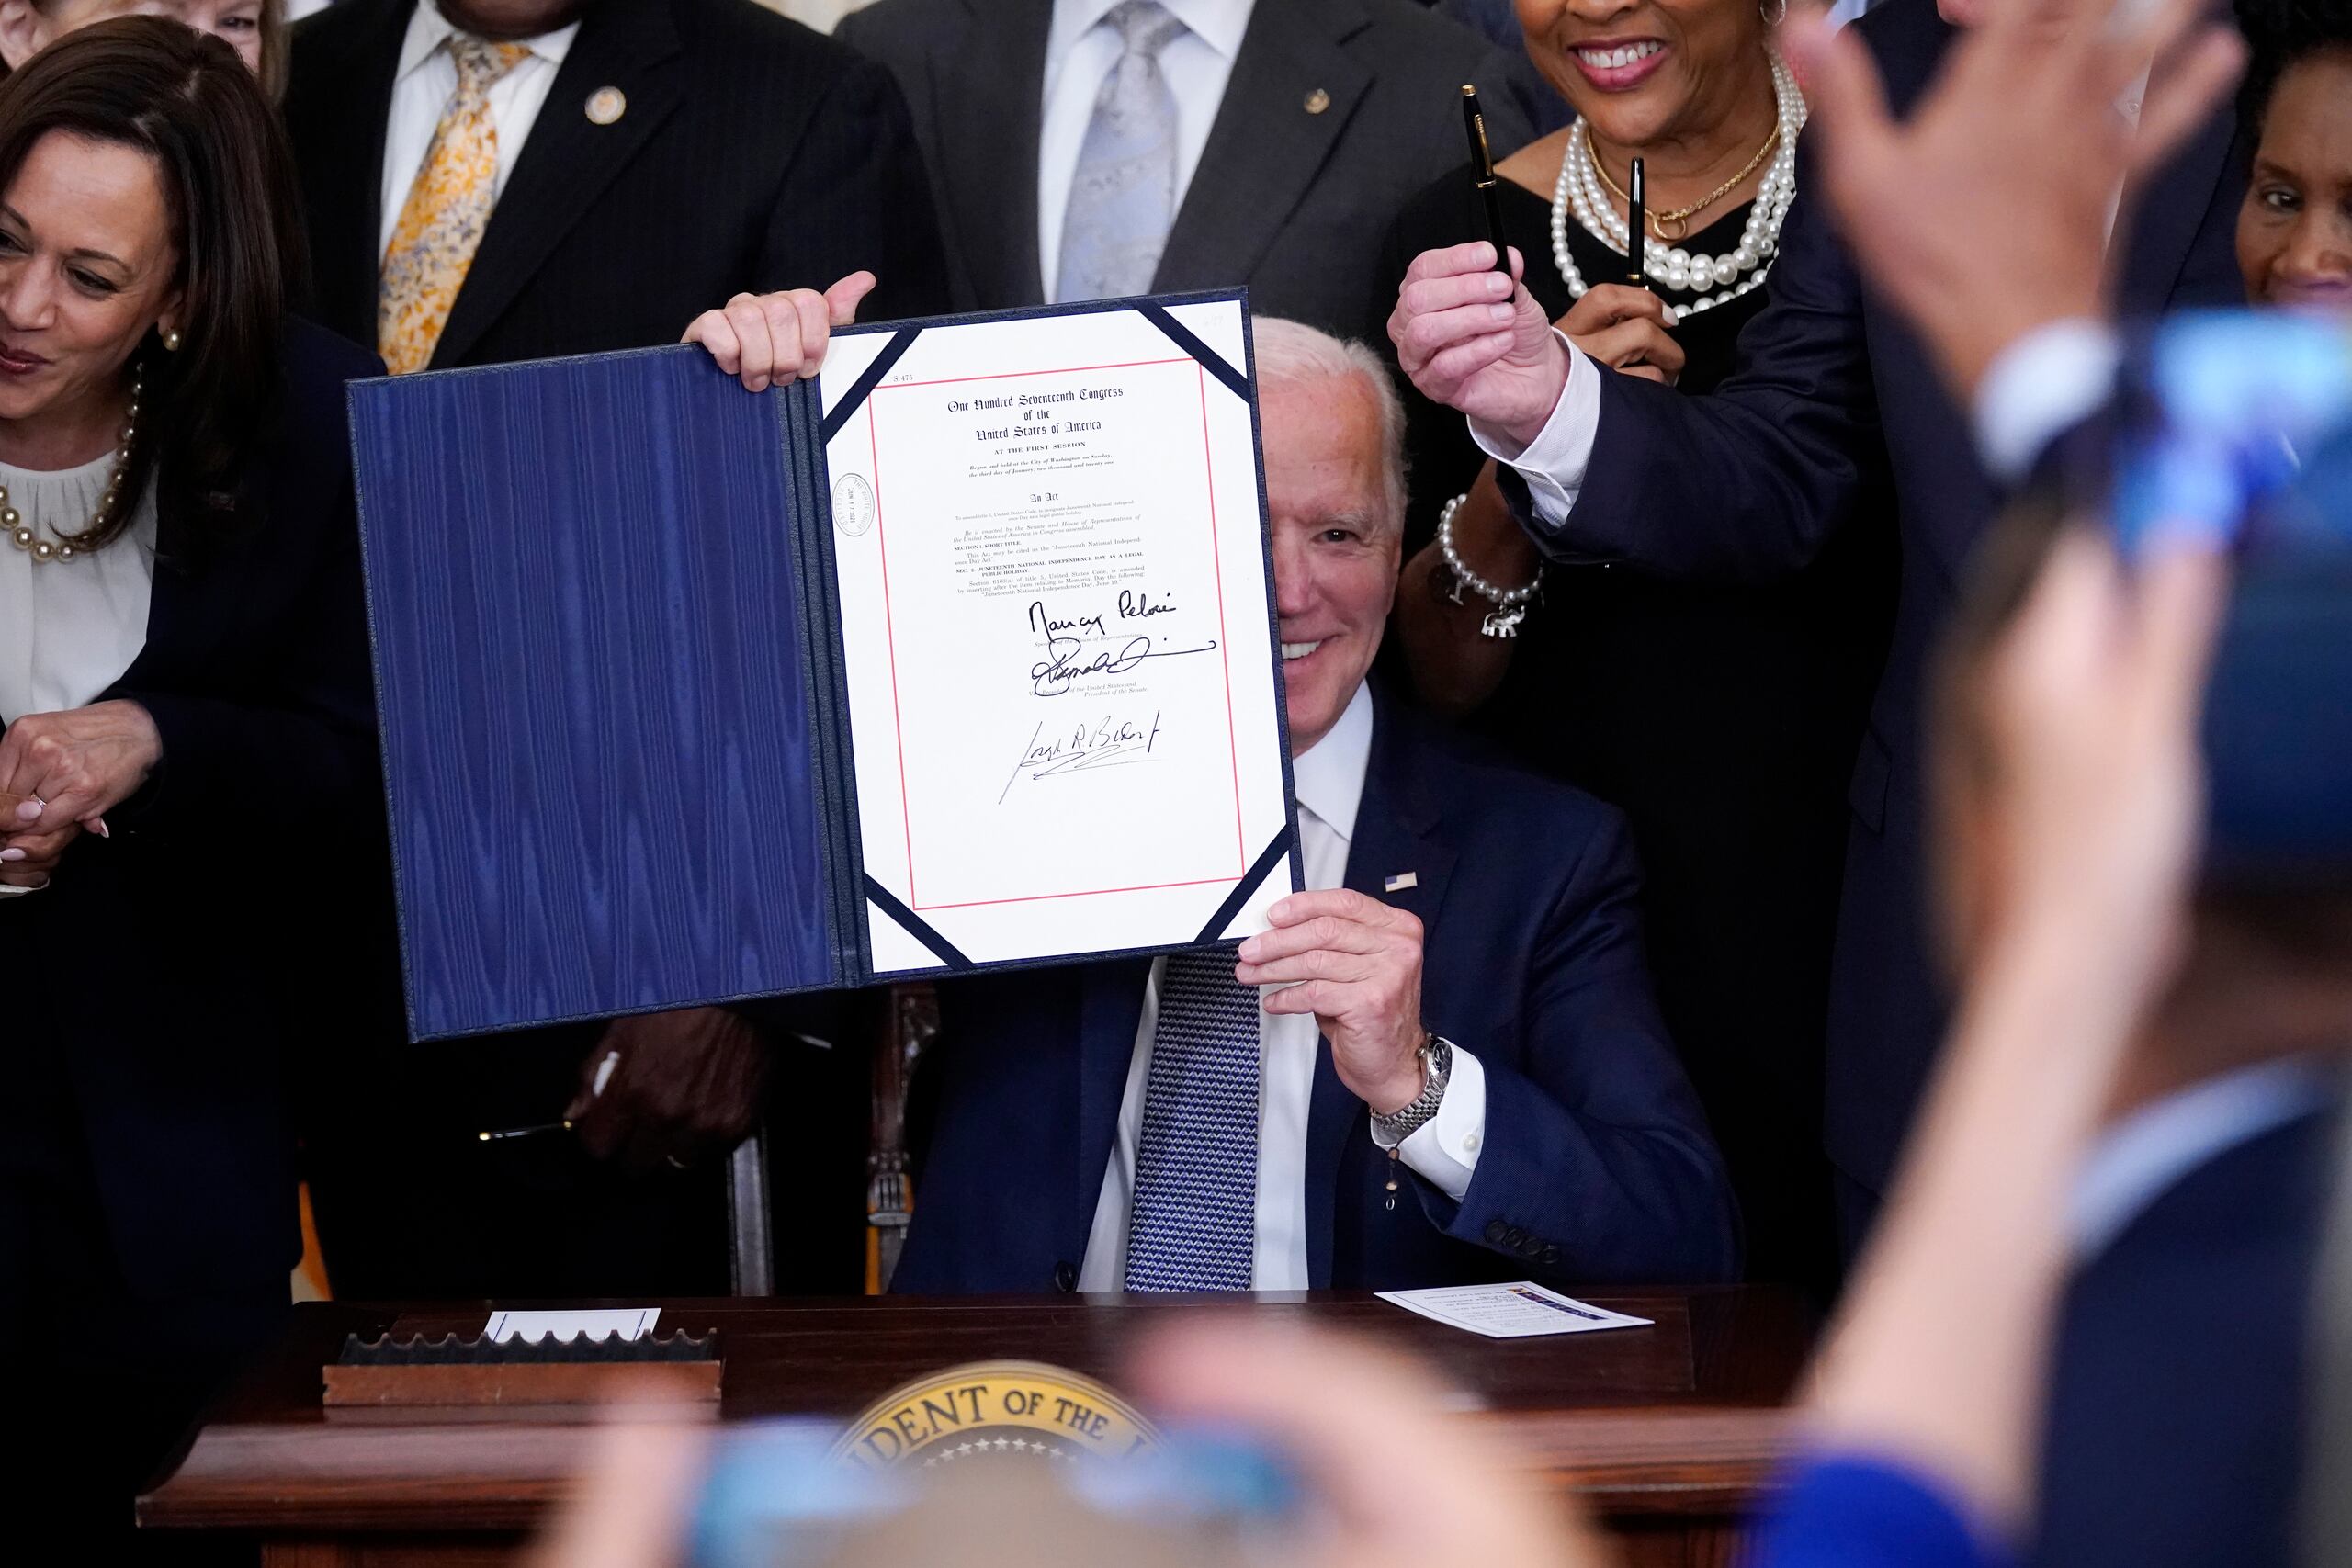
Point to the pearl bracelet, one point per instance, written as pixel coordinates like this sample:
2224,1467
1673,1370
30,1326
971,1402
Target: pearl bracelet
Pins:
1510,603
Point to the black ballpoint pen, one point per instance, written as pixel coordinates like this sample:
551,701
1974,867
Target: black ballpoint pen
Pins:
1637,222
1482,174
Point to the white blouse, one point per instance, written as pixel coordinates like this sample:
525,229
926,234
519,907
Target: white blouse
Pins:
69,629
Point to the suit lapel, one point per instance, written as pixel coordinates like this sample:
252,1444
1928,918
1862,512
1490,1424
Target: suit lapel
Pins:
346,130
189,610
1395,835
569,159
989,83
1265,148
2171,211
2173,205
1110,1007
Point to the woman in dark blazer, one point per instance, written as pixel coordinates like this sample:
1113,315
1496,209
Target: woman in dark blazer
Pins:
188,754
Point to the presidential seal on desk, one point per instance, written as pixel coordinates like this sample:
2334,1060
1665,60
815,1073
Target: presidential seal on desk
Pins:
991,1410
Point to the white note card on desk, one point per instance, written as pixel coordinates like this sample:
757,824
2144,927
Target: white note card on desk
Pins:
1511,1312
595,1323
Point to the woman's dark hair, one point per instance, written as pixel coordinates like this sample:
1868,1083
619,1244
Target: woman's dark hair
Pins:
188,102
2280,34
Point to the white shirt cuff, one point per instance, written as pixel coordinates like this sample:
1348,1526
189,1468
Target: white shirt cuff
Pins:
2040,387
1444,1150
1554,463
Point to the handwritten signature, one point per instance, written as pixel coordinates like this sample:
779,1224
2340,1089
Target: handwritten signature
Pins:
1067,661
1113,742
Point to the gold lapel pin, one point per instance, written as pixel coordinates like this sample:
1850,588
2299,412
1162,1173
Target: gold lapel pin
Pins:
606,105
1317,101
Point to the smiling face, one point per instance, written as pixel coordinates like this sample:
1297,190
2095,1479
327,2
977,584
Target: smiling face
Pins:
86,269
1644,70
2295,225
1335,542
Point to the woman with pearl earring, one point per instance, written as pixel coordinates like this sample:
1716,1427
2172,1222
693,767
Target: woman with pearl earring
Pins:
1722,719
187,761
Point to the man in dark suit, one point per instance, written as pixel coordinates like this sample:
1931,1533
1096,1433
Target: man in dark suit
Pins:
1454,1070
680,152
496,180
2153,1457
1281,139
1834,389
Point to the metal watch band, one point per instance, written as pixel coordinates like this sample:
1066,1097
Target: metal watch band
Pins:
1437,1065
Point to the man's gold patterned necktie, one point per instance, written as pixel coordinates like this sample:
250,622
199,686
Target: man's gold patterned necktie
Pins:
449,206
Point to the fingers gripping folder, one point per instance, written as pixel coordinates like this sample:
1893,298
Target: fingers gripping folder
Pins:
959,656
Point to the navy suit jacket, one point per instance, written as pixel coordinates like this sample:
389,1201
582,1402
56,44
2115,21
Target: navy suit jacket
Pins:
1596,1164
1833,393
2174,1432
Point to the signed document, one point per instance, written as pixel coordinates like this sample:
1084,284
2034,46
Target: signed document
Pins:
959,656
1062,683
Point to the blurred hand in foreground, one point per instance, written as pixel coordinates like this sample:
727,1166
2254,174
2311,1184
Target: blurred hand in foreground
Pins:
1986,214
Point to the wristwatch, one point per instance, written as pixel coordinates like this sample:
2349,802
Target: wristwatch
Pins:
1437,1065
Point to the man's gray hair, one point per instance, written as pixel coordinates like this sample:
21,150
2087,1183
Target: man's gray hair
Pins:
1290,353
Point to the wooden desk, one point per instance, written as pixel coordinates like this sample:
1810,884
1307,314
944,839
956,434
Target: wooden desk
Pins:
1665,1432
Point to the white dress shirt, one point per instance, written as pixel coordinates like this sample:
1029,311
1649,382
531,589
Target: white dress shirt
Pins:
1329,780
2150,1151
68,632
428,79
1079,52
2035,389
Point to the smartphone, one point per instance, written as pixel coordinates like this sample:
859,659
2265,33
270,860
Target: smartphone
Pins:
776,1495
2237,427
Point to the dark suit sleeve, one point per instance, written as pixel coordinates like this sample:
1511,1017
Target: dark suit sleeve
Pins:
856,196
295,756
1596,1160
1749,481
1502,99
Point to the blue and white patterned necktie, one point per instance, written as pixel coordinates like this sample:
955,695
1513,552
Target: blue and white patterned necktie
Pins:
1124,197
1193,1220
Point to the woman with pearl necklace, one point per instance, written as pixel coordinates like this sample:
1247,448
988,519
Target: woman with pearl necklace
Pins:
1721,720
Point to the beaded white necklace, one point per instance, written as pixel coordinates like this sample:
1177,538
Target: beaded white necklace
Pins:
1734,273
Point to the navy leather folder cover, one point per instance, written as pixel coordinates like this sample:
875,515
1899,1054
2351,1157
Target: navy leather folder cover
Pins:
598,557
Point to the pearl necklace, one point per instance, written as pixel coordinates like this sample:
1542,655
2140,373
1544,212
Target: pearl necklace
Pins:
62,550
1734,273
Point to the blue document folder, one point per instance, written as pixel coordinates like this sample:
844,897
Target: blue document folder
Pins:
609,672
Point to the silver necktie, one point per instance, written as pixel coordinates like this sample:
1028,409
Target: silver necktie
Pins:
1192,1223
1123,198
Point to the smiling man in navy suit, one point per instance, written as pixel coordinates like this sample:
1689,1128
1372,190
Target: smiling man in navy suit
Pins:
1462,1076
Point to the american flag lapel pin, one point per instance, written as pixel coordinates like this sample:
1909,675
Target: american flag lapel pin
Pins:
1401,881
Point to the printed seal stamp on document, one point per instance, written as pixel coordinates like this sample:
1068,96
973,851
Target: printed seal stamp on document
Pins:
852,504
989,1410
